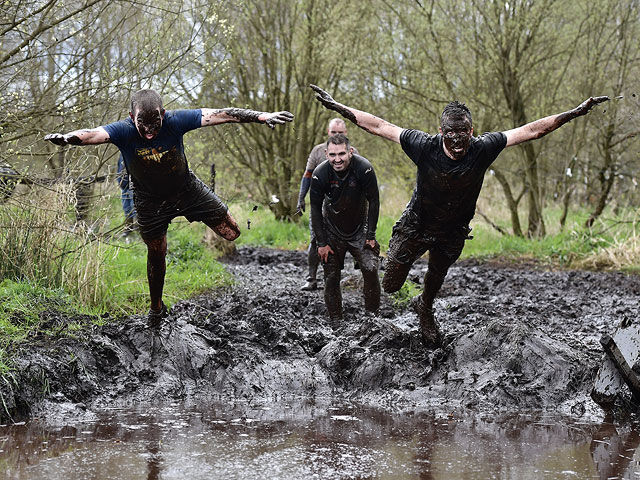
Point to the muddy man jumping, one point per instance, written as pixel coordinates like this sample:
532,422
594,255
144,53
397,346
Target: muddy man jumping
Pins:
151,142
451,167
344,208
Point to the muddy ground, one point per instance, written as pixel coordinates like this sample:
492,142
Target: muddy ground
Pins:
517,337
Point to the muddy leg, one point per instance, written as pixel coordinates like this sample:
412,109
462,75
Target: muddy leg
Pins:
313,260
227,228
395,275
368,260
156,269
439,264
332,293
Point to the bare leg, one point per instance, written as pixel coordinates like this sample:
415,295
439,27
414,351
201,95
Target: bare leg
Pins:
156,269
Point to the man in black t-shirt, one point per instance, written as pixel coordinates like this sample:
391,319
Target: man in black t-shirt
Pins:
344,211
451,168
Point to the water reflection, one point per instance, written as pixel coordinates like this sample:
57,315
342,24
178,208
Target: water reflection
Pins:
615,453
310,440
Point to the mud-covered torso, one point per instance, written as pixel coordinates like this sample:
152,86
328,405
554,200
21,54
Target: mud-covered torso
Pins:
346,197
159,166
447,190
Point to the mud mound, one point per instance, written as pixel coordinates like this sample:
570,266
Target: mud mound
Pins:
514,338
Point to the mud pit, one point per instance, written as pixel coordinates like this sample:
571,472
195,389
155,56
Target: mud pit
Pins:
517,337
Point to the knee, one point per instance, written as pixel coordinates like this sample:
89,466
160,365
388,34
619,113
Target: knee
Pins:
232,235
391,285
394,276
157,248
331,276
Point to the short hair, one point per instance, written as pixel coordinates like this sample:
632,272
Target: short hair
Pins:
455,109
146,100
338,139
336,120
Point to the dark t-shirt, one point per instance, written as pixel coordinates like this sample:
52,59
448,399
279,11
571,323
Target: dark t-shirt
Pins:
447,190
157,167
341,201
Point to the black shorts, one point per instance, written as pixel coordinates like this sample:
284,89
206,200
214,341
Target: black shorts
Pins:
196,202
409,243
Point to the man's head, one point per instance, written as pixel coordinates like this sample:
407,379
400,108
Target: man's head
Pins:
456,129
147,113
339,152
336,126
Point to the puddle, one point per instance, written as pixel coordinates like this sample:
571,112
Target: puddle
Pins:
309,440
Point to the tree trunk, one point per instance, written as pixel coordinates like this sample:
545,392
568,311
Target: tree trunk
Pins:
512,203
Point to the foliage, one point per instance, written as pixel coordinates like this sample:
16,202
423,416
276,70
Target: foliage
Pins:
408,290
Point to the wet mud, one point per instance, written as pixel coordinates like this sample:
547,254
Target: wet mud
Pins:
516,337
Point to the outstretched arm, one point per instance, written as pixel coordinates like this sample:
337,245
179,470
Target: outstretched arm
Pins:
94,136
364,120
541,127
216,116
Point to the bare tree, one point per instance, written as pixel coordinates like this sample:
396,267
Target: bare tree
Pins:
272,59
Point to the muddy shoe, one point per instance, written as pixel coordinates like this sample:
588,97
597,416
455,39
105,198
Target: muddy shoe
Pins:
429,327
336,322
155,318
310,285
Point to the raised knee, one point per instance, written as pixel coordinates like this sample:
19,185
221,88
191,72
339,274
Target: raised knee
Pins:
390,286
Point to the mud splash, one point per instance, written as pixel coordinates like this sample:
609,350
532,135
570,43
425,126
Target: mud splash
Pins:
516,337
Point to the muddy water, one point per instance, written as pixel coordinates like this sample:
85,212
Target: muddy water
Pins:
517,339
288,440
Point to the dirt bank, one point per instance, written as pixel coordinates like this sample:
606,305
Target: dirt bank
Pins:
516,337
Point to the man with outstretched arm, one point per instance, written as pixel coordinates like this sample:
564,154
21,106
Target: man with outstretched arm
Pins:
344,208
451,167
151,142
316,157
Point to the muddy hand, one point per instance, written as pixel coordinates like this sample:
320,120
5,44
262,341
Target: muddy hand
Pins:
57,138
279,118
588,104
324,98
323,253
373,245
300,207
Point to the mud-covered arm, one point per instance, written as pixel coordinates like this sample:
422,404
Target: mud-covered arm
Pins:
543,126
211,116
93,136
364,120
373,197
316,197
305,184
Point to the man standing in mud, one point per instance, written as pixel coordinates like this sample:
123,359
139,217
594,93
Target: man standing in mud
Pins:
344,208
316,157
451,168
151,142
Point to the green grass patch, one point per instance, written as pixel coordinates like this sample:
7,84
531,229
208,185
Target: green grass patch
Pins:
192,268
408,290
266,231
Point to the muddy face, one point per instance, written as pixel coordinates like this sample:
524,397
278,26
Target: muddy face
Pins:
456,135
148,124
339,156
